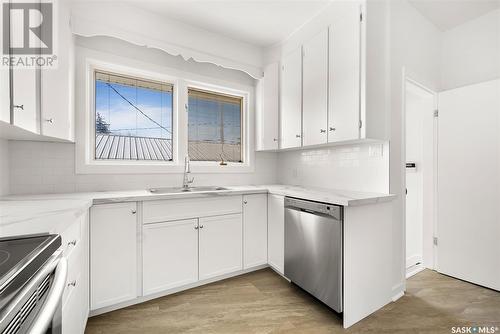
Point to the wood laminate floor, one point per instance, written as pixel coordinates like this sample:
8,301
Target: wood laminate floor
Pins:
263,302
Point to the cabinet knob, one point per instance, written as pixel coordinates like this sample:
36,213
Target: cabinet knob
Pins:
72,243
133,212
49,120
201,226
275,139
196,227
245,202
18,106
72,283
332,129
322,131
297,136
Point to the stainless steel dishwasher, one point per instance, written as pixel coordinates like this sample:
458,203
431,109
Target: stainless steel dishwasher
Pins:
313,249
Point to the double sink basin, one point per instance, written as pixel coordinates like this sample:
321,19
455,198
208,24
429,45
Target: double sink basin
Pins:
178,190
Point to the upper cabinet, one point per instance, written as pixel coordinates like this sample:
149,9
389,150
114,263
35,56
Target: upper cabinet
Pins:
291,100
36,102
268,109
344,75
315,89
322,82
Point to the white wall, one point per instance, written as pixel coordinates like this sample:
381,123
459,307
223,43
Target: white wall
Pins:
38,167
4,167
415,46
471,52
362,167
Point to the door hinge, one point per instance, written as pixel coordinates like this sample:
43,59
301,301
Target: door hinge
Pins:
435,241
360,124
436,113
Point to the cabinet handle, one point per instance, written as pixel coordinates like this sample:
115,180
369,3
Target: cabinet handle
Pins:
322,131
332,129
72,283
245,202
72,243
134,212
201,226
18,106
49,120
196,227
275,139
297,136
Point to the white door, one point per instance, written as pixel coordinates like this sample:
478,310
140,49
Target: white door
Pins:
220,245
315,89
268,110
344,74
254,230
291,100
169,255
276,232
113,254
469,183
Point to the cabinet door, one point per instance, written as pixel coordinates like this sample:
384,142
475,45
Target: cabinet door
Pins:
276,232
344,73
291,100
254,230
268,110
315,89
169,255
113,254
57,93
220,242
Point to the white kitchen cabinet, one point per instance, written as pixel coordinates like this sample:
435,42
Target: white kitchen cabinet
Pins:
254,230
113,254
57,84
169,255
344,76
315,89
291,100
220,245
276,232
26,99
267,116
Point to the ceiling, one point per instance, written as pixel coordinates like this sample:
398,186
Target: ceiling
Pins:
447,14
261,23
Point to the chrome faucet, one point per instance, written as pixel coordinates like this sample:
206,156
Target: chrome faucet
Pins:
187,171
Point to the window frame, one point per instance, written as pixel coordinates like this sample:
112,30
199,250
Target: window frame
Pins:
89,60
244,121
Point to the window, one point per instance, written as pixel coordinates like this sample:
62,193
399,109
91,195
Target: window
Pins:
133,118
214,126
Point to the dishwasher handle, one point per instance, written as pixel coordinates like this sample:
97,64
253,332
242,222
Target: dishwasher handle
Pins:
312,207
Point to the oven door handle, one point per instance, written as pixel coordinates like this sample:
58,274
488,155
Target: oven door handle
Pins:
49,308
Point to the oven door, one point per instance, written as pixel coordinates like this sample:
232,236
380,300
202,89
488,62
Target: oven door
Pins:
37,308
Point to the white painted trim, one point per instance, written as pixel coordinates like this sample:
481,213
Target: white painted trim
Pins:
143,299
397,295
88,60
413,270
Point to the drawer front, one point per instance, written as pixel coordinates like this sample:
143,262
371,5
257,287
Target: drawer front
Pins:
71,237
175,209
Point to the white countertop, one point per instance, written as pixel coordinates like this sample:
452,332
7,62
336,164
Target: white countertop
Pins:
34,209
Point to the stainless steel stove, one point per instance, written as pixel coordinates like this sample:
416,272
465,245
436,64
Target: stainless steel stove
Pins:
32,280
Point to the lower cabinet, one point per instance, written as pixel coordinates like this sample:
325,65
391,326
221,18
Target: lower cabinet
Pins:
113,254
170,255
276,232
221,245
254,230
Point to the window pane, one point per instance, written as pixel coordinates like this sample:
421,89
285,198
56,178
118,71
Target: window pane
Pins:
133,118
214,126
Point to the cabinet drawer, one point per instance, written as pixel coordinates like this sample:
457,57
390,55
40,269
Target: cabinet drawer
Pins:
71,237
175,209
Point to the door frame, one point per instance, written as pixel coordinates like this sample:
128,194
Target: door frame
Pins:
407,78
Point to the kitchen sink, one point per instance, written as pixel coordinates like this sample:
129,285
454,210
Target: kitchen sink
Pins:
177,190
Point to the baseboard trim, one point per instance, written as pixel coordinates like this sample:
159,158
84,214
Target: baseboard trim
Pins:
413,270
397,292
142,299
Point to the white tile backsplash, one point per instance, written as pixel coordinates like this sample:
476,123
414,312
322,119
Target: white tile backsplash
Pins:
41,167
4,167
361,167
